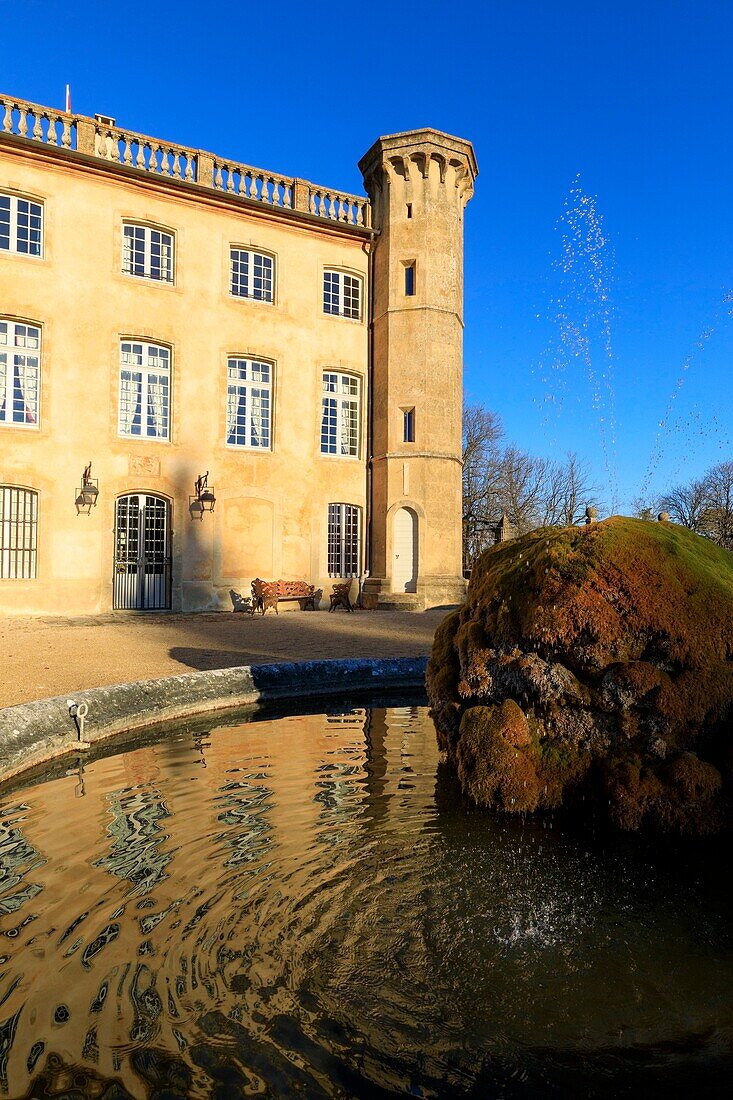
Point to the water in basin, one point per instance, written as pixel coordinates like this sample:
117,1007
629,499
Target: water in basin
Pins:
302,906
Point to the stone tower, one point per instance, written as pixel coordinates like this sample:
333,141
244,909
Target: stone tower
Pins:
419,183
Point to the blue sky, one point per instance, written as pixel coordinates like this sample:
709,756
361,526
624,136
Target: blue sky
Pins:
631,100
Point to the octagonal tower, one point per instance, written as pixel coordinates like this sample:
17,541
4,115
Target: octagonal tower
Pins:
419,183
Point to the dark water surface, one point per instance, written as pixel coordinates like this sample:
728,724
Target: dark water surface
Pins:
300,907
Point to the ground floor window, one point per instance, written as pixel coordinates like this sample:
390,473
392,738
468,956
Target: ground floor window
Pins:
18,532
344,540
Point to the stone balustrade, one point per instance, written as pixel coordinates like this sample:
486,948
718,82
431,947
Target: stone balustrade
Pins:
253,183
146,153
99,139
338,206
29,120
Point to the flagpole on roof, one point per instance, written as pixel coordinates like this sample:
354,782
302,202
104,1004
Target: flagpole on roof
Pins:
67,108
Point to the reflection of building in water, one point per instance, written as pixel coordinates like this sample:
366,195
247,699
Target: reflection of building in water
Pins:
18,860
202,890
136,852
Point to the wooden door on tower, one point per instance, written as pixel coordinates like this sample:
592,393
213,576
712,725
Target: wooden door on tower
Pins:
404,551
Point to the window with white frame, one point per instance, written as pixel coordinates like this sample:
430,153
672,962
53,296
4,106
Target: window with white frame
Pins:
252,274
342,294
340,414
249,402
147,253
20,373
145,371
21,225
344,540
18,532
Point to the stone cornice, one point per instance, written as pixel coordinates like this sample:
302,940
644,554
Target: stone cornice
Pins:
184,189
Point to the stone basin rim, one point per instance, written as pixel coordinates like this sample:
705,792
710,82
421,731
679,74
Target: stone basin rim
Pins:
32,734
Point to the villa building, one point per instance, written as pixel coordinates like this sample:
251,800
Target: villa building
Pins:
178,331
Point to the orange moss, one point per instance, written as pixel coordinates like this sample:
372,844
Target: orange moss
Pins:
617,641
492,770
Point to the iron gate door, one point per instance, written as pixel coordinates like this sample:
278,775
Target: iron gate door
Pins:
142,579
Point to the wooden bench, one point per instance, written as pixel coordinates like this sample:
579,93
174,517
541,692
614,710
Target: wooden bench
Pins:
269,593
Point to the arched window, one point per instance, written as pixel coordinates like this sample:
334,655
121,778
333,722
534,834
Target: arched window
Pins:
147,252
145,377
21,225
20,372
342,294
18,532
340,414
252,274
249,402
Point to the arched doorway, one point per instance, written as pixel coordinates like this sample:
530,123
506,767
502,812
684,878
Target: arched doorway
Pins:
404,551
142,577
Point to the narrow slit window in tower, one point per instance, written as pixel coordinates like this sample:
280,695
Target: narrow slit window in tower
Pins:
409,209
409,279
408,425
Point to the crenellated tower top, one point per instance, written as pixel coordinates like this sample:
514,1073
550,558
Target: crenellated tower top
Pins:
419,155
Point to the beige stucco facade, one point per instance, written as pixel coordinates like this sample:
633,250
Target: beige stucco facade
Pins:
272,504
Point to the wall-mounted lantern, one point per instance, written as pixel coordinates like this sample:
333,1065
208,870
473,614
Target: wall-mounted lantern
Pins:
204,499
87,493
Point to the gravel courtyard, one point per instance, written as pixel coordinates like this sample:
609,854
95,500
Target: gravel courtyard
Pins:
43,657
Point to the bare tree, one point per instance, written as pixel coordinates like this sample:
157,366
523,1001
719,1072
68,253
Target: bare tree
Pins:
647,508
717,518
482,436
686,504
503,480
523,488
568,492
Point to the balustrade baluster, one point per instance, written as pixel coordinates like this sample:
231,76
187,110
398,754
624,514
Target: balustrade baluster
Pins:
37,131
217,177
23,122
164,161
51,137
189,167
8,118
128,151
176,164
230,179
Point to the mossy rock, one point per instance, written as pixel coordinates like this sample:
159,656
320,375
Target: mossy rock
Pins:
615,641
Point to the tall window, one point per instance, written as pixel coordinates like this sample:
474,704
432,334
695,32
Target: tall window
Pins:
144,390
344,540
340,414
147,252
408,425
342,294
20,373
18,532
21,225
249,388
252,274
